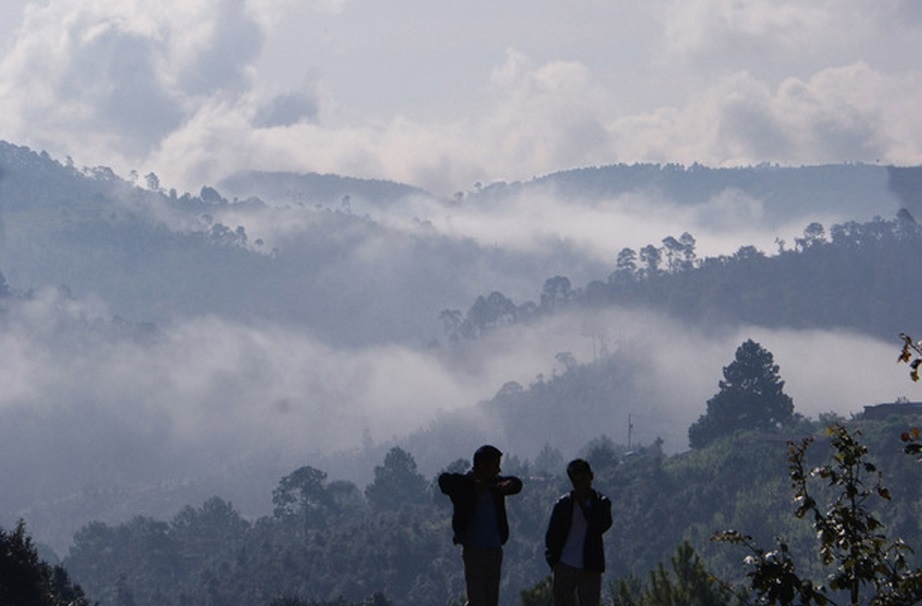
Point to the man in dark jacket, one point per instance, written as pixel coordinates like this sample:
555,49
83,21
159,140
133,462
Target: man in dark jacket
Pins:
573,542
479,522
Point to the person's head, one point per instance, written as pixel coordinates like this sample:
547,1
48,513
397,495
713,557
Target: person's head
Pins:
580,473
486,461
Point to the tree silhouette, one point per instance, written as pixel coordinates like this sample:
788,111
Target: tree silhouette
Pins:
751,396
625,266
556,293
490,312
686,582
396,482
301,494
5,290
25,579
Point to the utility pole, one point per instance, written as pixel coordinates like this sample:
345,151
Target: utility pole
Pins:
630,429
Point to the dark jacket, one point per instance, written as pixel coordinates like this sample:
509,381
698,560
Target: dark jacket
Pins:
598,520
461,488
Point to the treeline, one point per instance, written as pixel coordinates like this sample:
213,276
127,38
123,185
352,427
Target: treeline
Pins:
389,543
854,276
783,190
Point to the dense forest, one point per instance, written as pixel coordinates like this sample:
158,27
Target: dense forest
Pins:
852,277
110,287
330,542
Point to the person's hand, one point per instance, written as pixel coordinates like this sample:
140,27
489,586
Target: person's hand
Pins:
504,485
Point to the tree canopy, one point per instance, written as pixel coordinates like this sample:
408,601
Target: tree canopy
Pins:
27,580
859,561
751,396
396,482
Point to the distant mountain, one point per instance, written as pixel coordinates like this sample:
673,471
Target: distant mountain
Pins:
220,334
316,189
859,191
153,255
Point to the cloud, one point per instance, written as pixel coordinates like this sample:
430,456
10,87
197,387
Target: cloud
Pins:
112,79
544,117
678,368
222,59
723,83
286,109
269,13
97,413
553,116
715,27
208,385
590,232
839,114
217,384
548,115
183,89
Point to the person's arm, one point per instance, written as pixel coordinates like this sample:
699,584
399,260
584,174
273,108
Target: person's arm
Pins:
553,541
602,513
450,483
508,485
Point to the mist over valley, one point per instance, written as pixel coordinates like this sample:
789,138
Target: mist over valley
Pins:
268,268
163,348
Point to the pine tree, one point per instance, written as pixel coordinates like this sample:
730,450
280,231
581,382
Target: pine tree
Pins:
751,396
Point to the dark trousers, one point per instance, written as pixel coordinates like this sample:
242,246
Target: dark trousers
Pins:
482,568
570,583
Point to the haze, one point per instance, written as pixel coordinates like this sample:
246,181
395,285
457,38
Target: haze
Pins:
233,387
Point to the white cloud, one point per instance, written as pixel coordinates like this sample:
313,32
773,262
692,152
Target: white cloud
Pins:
270,13
132,85
713,27
107,81
441,97
87,408
553,116
216,384
853,113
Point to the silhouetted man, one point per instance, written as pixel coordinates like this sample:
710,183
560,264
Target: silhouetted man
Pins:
573,543
479,522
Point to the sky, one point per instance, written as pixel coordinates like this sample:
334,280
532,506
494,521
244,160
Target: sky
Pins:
443,95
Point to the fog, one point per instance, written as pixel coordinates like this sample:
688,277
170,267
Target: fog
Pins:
139,381
214,406
539,221
598,229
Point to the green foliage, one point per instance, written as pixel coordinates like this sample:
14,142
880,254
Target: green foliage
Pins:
602,453
302,495
396,482
851,275
686,583
26,580
548,461
913,444
751,396
542,594
209,554
861,562
911,354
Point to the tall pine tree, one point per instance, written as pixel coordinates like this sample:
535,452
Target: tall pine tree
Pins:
751,396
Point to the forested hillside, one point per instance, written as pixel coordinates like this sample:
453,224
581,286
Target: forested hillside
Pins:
853,276
153,255
331,538
857,190
163,347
